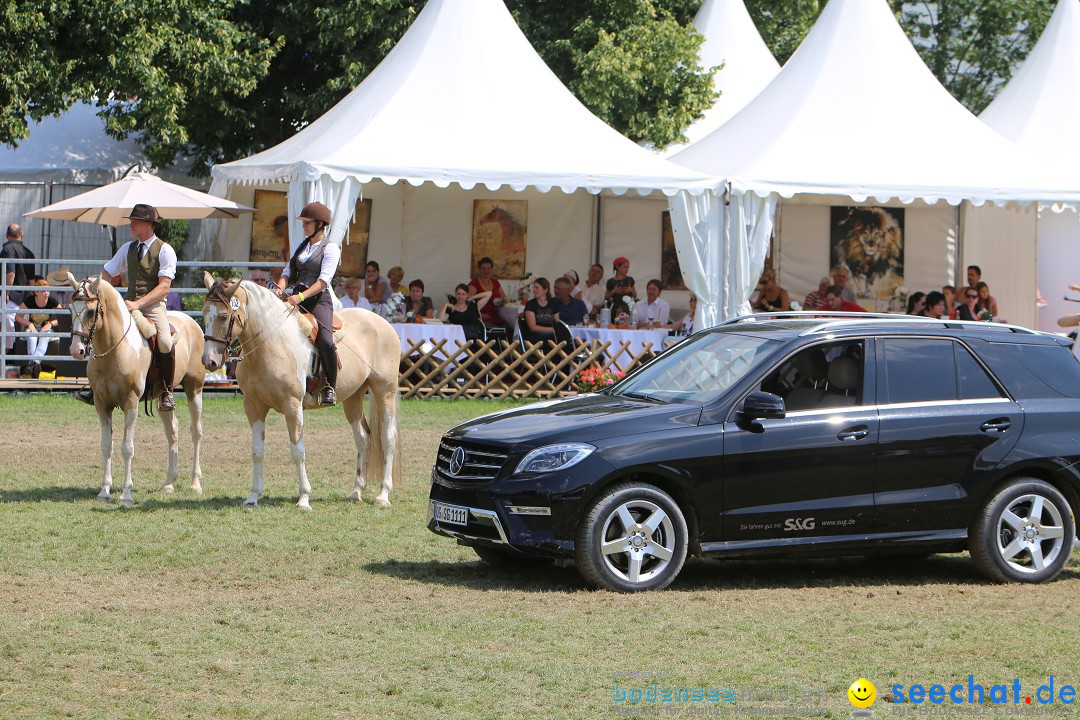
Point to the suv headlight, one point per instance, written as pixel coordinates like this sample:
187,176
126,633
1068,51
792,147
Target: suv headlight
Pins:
554,457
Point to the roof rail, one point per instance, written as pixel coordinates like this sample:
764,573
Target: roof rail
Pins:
846,319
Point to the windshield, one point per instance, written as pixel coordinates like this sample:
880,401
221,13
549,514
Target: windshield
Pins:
698,370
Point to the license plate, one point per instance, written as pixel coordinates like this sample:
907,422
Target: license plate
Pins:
451,514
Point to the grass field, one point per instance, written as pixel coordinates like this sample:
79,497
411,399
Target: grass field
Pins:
186,606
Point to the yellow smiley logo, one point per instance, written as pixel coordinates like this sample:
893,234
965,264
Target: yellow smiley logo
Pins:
862,693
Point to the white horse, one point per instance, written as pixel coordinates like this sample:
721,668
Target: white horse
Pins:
276,354
103,327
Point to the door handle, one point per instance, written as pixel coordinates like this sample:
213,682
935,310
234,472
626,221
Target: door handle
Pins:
853,433
995,426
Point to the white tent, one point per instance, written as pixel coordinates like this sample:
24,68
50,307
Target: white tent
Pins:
1040,111
733,42
461,99
63,157
854,115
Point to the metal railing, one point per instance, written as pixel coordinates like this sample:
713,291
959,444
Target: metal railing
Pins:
79,268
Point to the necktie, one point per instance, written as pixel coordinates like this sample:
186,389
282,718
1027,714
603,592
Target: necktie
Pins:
142,250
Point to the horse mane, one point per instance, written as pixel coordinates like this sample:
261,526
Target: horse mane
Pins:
265,312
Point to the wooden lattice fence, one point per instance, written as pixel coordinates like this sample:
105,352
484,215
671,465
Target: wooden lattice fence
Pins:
496,368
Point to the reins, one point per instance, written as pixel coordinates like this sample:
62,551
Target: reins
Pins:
84,295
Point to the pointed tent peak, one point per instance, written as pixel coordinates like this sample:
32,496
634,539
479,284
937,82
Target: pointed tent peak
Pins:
732,41
856,112
464,98
1040,106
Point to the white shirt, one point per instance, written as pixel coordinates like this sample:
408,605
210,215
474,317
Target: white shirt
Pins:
361,302
330,260
659,311
166,259
593,296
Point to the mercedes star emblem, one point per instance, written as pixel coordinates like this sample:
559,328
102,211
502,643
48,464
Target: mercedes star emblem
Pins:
457,461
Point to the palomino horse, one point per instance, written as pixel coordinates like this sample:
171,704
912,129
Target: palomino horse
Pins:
119,355
275,356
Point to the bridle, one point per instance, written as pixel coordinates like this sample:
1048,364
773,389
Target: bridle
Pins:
82,294
217,293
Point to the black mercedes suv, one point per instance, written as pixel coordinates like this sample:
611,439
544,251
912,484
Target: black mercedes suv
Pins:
786,435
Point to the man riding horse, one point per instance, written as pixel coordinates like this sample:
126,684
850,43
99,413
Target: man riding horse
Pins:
150,264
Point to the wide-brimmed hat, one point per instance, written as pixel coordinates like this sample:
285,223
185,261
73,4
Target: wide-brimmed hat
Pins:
142,211
58,277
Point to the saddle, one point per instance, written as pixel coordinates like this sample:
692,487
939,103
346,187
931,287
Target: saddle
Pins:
152,340
311,328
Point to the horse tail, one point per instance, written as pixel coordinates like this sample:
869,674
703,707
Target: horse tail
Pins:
384,435
398,461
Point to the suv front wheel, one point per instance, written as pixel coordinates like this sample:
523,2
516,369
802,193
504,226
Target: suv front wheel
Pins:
1024,534
633,538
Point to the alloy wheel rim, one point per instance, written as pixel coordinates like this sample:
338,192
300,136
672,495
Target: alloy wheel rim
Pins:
1030,533
637,541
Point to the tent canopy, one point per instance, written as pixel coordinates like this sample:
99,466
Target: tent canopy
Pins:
1040,107
74,148
731,41
463,98
856,112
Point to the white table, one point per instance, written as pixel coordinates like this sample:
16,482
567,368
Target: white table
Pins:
509,314
635,338
433,333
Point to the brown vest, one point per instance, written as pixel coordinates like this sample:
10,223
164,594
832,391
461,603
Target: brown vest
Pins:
142,274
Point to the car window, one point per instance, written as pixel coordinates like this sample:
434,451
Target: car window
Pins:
919,370
825,375
1053,364
700,369
974,382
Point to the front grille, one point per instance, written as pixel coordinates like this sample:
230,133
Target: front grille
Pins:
482,462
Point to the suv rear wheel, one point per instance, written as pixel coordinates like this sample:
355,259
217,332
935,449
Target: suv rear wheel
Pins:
1024,533
633,538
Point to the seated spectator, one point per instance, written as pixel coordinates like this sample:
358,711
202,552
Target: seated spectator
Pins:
834,301
466,311
485,282
376,287
949,291
686,325
37,322
915,303
592,292
935,305
173,301
966,310
986,301
816,297
353,298
572,277
258,276
417,305
840,276
570,310
771,297
652,311
540,313
395,275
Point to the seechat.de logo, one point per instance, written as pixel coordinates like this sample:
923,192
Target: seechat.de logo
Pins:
862,695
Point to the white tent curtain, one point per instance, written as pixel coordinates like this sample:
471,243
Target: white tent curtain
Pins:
340,197
721,241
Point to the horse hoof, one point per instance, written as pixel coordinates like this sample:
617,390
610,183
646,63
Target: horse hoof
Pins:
168,488
127,502
382,502
354,496
197,489
103,498
303,506
251,504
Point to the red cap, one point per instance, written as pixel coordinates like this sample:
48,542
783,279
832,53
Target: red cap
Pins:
619,261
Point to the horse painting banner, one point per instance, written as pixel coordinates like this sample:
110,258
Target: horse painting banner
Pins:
354,249
869,241
670,272
270,228
500,232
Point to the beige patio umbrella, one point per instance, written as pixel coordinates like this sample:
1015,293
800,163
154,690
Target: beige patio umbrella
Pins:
109,204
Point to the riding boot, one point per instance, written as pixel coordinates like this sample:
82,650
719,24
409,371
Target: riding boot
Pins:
167,364
85,396
329,363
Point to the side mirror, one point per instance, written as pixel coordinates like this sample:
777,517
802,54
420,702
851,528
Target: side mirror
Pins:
763,405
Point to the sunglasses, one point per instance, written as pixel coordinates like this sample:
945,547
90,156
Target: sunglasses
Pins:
971,297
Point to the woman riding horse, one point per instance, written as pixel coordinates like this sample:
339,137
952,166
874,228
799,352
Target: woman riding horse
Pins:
312,268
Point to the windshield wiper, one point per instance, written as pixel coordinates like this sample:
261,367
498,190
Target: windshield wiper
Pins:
643,396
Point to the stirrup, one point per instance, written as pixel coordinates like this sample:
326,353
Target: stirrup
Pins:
165,402
328,397
85,396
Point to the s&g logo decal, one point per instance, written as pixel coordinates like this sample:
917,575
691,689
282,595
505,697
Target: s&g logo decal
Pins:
798,524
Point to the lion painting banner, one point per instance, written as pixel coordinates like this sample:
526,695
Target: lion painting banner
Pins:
869,242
